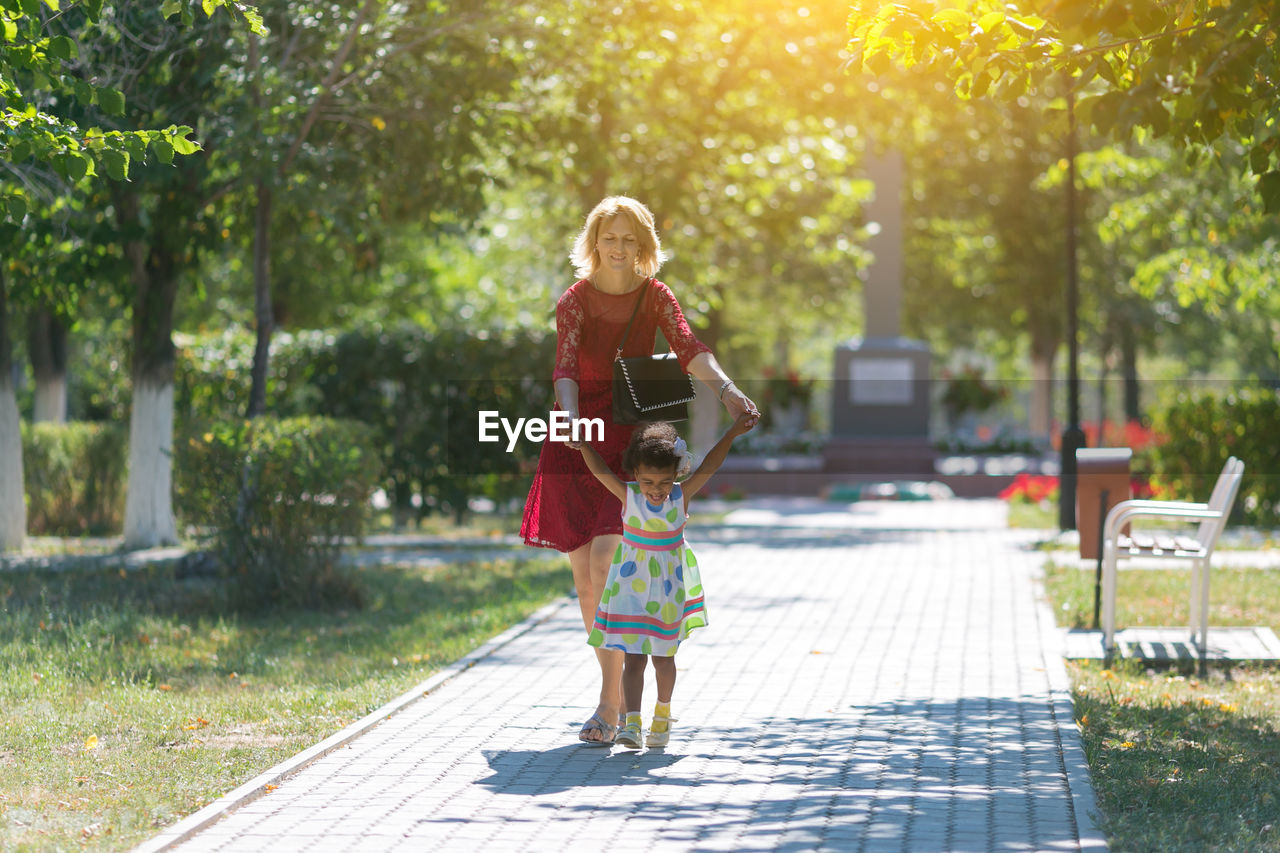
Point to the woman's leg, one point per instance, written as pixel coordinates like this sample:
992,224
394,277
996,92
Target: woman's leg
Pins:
590,565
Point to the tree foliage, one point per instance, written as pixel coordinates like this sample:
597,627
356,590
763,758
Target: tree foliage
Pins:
45,83
1196,71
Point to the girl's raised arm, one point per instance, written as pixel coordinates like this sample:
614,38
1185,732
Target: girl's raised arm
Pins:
610,480
716,456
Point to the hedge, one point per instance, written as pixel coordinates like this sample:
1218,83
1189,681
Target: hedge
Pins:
276,499
74,475
1199,431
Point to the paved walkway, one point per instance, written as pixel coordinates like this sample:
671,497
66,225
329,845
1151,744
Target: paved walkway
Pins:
881,680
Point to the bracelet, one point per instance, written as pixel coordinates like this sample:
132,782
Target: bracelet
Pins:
723,387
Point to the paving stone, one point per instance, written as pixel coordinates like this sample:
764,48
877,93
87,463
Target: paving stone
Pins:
860,690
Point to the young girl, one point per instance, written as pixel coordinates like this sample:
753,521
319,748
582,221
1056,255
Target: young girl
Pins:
653,598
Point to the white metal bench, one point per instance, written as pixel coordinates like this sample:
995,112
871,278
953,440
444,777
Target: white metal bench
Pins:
1212,517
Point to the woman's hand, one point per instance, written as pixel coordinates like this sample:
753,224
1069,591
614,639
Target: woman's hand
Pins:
737,403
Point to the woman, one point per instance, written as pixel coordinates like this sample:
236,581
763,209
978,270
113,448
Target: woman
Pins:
615,256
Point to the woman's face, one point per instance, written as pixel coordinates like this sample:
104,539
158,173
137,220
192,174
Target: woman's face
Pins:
618,246
655,483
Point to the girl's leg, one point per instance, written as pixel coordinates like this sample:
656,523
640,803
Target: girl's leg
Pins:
633,681
590,565
632,692
664,670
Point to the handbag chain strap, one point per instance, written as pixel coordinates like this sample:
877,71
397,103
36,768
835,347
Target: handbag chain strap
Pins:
643,289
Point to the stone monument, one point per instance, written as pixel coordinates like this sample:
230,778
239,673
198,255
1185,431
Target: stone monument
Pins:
881,388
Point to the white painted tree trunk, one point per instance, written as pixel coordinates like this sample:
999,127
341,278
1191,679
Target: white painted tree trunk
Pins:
704,421
148,512
1041,413
13,505
51,400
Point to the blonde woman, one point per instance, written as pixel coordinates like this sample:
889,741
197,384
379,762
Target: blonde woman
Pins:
616,256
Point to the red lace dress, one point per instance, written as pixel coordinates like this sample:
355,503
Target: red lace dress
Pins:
567,506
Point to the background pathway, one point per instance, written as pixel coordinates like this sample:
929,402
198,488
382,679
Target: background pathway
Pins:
878,679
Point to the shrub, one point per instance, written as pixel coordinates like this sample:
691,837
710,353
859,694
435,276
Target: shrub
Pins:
419,389
212,375
1200,430
275,500
75,477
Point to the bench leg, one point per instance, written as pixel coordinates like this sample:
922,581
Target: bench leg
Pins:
1204,612
1108,597
1193,615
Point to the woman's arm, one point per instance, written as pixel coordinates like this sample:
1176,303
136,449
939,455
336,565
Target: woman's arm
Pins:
716,456
567,400
695,356
597,466
705,367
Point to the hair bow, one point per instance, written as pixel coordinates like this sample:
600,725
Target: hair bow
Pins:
684,456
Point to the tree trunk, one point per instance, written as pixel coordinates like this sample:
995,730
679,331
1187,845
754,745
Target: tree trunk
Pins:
1129,371
148,514
262,300
13,507
47,341
1040,414
704,413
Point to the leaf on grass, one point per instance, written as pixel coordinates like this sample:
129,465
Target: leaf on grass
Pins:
197,723
91,743
164,687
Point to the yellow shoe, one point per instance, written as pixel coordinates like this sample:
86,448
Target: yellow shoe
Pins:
629,735
659,731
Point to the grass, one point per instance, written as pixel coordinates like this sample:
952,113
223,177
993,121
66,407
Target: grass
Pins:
1033,516
131,699
1179,763
475,525
1152,597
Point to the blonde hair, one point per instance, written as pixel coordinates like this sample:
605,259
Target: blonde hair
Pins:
584,257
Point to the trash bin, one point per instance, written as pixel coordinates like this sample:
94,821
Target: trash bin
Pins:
1102,481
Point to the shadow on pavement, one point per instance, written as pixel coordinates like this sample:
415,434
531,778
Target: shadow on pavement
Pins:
975,773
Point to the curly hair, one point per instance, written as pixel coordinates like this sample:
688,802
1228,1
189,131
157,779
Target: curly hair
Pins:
653,445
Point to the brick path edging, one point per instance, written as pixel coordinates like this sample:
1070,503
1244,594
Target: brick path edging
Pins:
1084,801
256,787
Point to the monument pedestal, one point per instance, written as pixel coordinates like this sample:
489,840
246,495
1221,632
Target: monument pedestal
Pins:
881,390
880,410
880,458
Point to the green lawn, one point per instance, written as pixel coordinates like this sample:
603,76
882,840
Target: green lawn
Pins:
128,702
1179,762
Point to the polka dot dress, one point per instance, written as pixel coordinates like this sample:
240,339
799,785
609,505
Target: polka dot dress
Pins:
653,596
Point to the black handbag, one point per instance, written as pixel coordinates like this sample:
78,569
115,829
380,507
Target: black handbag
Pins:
649,387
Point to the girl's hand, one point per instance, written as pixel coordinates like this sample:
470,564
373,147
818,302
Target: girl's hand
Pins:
744,423
574,445
738,403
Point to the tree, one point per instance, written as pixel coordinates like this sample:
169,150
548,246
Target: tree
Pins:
44,82
722,118
370,150
1197,72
